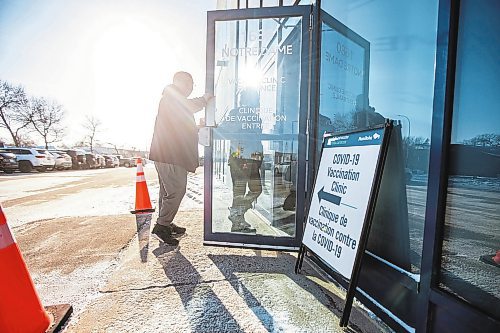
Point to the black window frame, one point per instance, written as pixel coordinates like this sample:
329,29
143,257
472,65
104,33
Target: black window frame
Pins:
439,310
248,240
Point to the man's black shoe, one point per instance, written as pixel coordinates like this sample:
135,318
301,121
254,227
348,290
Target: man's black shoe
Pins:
240,225
164,234
177,231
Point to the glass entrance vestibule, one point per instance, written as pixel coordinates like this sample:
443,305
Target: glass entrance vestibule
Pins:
282,77
258,68
265,140
285,75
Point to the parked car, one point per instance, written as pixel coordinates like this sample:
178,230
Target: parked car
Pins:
8,162
82,159
128,162
280,168
74,160
100,161
63,160
49,161
28,158
111,161
77,158
133,162
116,161
90,161
408,175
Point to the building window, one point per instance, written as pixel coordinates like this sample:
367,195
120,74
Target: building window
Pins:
397,82
470,259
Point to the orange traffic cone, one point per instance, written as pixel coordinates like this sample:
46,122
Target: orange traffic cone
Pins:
143,211
20,308
142,201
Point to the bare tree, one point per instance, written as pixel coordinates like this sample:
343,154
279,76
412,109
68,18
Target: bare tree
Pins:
46,119
484,140
26,141
115,147
414,141
92,125
13,102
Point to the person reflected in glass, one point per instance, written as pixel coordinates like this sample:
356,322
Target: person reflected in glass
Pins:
364,115
245,157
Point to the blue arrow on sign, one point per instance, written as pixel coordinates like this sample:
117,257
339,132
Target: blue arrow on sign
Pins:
334,199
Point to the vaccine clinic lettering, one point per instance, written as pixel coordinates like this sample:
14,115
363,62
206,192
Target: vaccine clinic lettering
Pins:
250,118
341,194
339,186
267,84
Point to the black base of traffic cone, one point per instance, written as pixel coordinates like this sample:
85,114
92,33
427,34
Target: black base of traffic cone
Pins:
59,314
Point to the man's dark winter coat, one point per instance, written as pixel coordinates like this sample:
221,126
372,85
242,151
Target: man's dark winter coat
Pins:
175,137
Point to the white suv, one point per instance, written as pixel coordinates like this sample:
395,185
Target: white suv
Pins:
63,160
49,161
29,159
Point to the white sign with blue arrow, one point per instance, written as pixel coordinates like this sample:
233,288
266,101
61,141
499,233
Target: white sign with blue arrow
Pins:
341,196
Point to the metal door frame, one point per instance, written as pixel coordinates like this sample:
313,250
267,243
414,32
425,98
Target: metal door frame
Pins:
252,240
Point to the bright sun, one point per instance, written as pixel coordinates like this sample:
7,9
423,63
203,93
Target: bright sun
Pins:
125,51
127,60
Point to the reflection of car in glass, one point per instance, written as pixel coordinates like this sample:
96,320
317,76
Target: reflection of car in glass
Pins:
63,160
267,162
280,168
408,175
8,162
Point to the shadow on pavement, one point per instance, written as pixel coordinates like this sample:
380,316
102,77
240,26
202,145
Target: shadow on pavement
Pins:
205,310
284,264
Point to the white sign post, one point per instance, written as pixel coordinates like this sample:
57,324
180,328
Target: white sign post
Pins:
343,201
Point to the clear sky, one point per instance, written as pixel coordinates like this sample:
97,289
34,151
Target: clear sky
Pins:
402,37
110,59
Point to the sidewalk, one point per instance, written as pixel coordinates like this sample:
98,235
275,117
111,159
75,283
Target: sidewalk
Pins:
193,288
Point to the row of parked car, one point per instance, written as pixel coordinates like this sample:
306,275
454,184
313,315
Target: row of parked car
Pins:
29,159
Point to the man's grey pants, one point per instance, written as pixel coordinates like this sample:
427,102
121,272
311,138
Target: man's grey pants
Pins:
173,182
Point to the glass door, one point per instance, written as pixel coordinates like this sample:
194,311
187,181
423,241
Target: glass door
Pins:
257,67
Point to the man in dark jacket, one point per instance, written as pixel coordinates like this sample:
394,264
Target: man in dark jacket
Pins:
174,149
